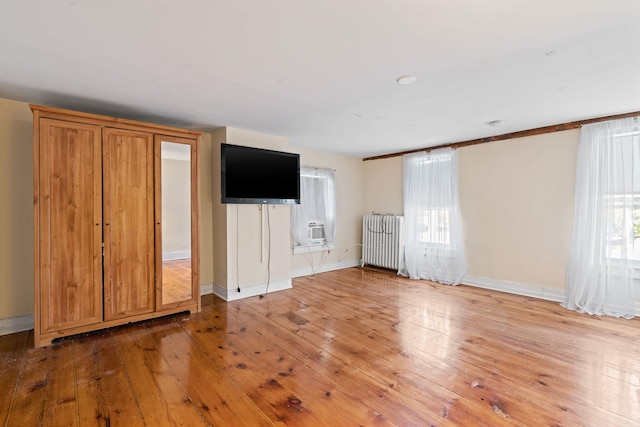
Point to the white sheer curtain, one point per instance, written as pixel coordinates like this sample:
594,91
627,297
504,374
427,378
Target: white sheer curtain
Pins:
317,202
605,248
434,248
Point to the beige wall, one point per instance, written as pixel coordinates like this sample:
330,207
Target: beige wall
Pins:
243,229
176,206
217,222
383,186
257,237
218,212
349,208
16,209
206,211
241,232
516,199
517,206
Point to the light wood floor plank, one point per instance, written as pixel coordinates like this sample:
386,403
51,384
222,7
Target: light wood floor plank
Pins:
12,349
32,384
219,399
161,398
351,347
319,395
263,387
103,387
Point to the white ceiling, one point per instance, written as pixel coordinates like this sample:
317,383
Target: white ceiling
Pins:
322,73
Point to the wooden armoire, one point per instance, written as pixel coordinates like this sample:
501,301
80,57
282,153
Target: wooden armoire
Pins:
98,222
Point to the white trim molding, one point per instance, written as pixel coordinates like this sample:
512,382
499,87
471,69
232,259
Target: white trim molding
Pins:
517,288
250,291
206,289
170,256
319,247
322,268
12,325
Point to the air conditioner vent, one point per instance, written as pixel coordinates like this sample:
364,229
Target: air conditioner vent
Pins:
315,232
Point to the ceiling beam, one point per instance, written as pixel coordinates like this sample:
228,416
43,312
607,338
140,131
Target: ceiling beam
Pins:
512,135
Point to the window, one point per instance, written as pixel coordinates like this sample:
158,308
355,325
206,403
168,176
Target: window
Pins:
313,221
434,226
623,201
434,248
624,227
605,249
433,213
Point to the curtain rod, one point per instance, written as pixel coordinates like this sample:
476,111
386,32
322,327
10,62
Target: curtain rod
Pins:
513,135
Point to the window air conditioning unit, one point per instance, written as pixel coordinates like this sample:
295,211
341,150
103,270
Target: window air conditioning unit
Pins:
315,233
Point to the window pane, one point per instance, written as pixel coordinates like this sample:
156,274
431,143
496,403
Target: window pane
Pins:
434,226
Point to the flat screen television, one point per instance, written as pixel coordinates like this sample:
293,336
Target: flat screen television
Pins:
258,176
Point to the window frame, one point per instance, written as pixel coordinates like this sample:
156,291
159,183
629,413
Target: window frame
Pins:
328,188
627,203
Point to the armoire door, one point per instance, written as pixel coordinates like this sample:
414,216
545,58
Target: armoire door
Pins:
177,226
129,265
68,225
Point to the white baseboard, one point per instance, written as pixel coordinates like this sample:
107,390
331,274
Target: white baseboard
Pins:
305,249
308,271
12,325
523,289
250,291
206,289
170,256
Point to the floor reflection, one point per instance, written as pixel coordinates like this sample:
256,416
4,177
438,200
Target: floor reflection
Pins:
176,280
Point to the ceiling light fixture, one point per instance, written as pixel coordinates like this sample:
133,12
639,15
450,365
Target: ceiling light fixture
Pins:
406,80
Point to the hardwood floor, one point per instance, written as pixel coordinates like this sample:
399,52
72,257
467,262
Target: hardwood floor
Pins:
352,347
176,280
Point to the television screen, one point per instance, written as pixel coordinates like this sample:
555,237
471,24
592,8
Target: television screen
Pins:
255,175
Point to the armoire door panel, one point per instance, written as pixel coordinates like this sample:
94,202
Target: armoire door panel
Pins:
70,225
128,223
